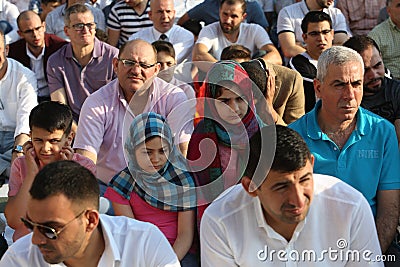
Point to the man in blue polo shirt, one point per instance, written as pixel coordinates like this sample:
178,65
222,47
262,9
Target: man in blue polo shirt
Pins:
350,142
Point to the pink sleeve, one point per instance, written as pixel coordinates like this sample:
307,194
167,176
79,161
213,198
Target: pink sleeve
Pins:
85,162
18,171
113,196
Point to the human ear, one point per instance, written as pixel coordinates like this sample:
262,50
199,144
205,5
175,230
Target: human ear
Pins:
70,137
92,220
249,186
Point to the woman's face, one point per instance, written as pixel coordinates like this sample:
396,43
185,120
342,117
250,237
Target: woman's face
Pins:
230,106
152,155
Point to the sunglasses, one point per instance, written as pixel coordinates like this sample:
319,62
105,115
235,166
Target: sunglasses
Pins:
48,231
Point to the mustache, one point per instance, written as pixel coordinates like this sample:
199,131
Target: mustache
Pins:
374,80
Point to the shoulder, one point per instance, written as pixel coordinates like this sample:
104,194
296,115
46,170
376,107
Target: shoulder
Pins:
232,202
19,69
333,189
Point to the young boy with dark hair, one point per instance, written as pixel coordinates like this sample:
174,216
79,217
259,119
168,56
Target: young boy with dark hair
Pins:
51,137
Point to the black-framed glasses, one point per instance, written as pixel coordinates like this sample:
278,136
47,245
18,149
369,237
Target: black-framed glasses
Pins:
80,26
316,33
130,63
48,231
37,29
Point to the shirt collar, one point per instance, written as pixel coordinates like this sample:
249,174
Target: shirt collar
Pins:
157,34
111,250
30,55
269,230
314,130
393,25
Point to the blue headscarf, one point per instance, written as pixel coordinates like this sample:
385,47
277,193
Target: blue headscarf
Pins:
172,187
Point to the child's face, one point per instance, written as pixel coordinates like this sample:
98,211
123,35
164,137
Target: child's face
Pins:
152,155
166,62
231,107
48,145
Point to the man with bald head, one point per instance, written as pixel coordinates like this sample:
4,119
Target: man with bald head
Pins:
107,113
162,13
34,48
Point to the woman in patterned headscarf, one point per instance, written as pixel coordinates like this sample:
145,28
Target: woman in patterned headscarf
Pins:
217,151
156,186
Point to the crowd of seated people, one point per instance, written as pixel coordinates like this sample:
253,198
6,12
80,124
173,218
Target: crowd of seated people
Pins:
164,101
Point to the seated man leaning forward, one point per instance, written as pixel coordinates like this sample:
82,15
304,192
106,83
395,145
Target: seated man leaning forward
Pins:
287,215
107,113
67,229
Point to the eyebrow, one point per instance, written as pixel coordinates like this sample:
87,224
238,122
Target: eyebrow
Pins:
48,223
289,182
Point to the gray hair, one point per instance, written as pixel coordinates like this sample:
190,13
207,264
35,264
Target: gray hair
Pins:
74,9
339,56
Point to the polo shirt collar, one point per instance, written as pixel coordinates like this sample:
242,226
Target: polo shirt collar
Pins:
96,49
315,132
393,25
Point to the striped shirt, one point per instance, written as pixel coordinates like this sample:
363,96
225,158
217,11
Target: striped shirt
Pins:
124,18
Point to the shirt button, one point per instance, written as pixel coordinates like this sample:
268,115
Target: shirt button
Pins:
335,148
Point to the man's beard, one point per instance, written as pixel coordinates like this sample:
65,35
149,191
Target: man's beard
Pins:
232,30
373,90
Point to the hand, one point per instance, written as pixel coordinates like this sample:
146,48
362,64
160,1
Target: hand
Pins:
66,153
269,94
32,161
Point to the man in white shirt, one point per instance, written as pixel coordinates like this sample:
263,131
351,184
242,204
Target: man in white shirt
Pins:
162,13
17,98
229,30
289,25
67,229
282,214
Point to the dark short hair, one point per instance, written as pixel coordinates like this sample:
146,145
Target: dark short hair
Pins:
235,51
360,43
291,152
164,46
67,178
314,17
234,2
257,74
51,116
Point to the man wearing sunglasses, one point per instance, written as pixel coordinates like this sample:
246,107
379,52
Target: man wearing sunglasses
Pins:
67,229
81,67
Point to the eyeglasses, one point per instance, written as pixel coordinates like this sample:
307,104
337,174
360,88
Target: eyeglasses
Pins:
80,26
130,63
37,29
48,231
315,33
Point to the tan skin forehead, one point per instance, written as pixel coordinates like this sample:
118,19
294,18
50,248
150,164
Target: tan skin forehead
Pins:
139,47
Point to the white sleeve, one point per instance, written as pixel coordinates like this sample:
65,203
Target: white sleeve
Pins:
285,23
214,246
364,237
27,100
207,36
261,36
183,48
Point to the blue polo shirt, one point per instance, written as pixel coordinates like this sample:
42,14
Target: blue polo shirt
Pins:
369,161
